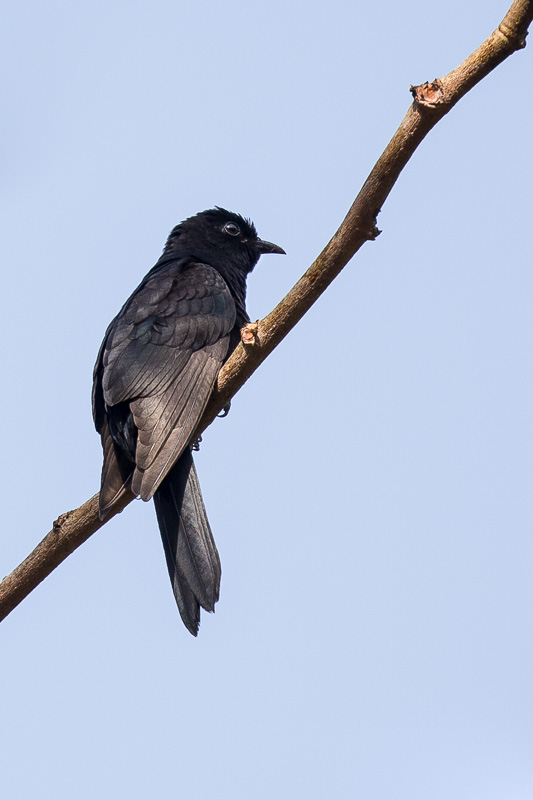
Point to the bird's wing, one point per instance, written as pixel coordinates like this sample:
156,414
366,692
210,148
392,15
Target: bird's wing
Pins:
161,356
118,466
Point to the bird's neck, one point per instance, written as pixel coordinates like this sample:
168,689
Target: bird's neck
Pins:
236,280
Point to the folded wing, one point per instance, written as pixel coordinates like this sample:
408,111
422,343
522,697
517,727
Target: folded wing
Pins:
156,369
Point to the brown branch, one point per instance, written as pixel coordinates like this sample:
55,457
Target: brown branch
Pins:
431,102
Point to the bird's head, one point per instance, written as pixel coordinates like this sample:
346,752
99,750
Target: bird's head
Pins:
219,237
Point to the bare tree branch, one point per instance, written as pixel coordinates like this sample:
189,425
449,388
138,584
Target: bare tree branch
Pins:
431,102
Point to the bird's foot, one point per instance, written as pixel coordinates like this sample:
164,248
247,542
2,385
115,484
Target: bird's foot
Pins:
225,410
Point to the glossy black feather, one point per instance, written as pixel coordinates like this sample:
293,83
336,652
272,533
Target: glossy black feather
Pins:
154,374
190,551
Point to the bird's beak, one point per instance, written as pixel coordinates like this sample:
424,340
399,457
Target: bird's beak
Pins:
268,247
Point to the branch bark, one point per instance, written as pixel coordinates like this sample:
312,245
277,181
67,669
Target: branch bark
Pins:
431,101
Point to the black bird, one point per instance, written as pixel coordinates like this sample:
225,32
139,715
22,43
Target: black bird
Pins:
153,376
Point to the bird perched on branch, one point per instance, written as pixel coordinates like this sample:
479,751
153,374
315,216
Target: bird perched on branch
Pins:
153,376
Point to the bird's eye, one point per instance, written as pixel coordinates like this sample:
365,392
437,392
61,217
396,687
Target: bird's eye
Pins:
231,228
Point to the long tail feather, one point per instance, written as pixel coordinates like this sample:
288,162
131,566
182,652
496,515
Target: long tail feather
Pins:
192,558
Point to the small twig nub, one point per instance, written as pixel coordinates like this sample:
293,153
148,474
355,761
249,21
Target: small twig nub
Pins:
58,523
249,333
428,94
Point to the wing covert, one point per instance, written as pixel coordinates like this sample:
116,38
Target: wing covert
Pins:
161,355
170,316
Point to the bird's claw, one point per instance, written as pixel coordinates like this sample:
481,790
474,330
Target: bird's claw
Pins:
225,410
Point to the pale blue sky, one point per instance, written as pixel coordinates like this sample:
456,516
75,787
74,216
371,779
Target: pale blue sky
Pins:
370,491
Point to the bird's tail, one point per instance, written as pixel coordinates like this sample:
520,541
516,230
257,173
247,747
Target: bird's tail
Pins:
190,550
